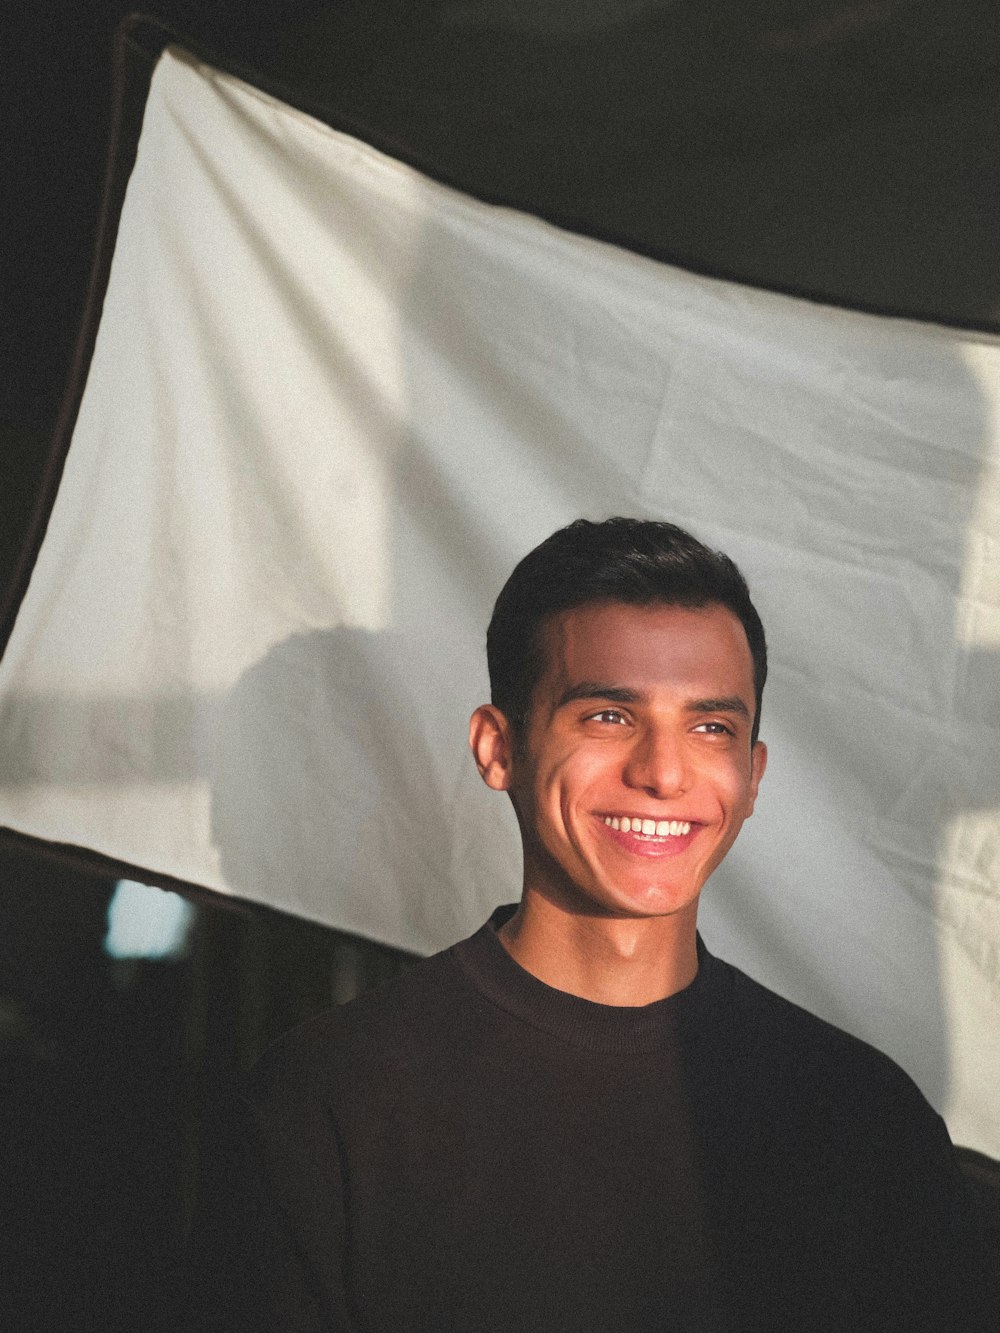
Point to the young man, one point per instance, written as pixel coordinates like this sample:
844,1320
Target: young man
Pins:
579,1119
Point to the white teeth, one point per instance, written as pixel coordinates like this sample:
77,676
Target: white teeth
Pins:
659,828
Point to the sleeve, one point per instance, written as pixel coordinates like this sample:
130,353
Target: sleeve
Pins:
928,1283
979,1255
266,1254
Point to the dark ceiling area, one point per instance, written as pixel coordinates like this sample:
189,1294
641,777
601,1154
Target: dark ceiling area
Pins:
841,150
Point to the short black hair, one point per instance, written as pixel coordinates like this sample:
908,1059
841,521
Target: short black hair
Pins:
636,561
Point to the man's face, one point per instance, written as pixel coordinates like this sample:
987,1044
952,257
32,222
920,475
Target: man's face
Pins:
636,771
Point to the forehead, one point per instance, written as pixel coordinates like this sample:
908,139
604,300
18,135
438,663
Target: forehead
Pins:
646,648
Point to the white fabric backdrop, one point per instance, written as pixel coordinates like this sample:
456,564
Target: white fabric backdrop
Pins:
332,403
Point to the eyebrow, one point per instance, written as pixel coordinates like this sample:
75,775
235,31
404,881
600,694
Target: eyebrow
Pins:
730,703
595,689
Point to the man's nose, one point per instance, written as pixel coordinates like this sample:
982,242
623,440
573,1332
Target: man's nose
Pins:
657,763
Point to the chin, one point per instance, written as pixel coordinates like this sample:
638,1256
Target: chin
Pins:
652,900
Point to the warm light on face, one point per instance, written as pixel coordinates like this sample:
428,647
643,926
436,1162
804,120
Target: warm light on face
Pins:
637,768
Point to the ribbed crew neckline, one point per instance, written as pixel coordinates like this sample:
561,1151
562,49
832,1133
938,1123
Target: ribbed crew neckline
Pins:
623,1029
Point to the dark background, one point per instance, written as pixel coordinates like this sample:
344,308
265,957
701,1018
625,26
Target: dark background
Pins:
843,151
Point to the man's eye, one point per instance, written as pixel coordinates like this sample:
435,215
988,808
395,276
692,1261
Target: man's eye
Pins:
611,715
715,729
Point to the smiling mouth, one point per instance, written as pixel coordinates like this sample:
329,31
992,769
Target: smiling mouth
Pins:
648,828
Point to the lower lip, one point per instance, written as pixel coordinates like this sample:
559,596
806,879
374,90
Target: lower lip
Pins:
638,845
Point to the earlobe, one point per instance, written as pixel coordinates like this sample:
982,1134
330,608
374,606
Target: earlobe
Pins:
490,742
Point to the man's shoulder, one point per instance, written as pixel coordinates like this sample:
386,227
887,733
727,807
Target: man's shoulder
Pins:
770,1016
386,1028
783,1044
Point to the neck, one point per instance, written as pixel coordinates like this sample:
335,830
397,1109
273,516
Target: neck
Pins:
625,961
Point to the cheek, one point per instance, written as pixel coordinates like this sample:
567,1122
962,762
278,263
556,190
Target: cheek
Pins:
566,786
554,784
732,787
741,795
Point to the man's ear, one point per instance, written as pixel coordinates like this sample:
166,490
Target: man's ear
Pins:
492,746
758,762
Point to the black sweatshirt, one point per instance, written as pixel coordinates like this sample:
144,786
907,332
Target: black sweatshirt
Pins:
470,1149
